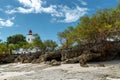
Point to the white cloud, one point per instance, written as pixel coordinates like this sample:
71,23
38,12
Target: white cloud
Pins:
72,15
83,2
51,9
33,4
62,13
29,6
6,23
23,10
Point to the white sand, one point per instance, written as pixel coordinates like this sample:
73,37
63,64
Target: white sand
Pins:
15,71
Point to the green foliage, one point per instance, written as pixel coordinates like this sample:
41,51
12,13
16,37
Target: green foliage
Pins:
37,42
50,45
12,46
118,6
66,37
103,25
26,45
3,48
16,39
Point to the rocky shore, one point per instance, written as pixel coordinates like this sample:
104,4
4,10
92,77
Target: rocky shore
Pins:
80,54
85,62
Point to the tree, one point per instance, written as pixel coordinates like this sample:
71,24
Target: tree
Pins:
66,37
50,45
16,39
3,48
118,6
26,45
104,25
37,42
11,47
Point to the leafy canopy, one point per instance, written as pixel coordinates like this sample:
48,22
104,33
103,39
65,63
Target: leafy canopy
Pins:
104,25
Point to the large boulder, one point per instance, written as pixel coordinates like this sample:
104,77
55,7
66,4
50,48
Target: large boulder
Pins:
71,53
49,56
7,58
28,58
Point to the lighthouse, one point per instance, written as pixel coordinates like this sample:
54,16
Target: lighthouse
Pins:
29,37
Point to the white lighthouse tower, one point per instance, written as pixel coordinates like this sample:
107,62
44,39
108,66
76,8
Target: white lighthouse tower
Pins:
29,37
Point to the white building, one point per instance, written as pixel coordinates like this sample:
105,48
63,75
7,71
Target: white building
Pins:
29,37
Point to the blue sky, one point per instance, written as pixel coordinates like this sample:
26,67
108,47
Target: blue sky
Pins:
45,17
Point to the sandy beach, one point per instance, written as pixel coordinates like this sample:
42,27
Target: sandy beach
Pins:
18,71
